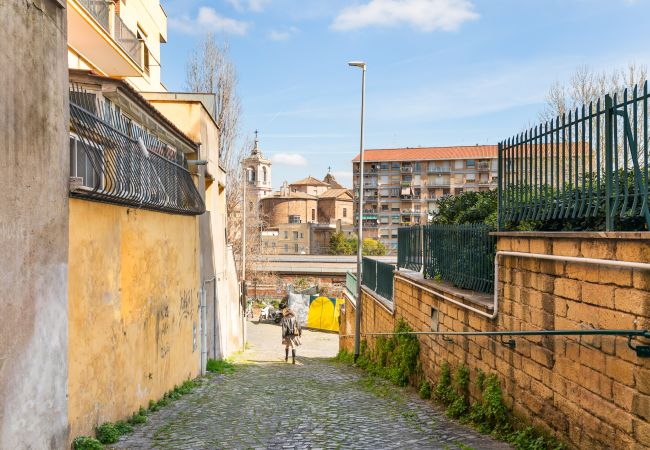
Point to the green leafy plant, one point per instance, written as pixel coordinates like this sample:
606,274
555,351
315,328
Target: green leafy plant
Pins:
138,417
425,390
219,366
460,395
86,443
107,433
344,356
444,389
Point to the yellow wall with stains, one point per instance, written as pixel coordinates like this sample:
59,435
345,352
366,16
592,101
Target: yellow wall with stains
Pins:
133,309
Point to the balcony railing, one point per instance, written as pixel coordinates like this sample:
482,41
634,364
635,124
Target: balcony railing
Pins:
128,40
406,169
483,166
100,10
438,170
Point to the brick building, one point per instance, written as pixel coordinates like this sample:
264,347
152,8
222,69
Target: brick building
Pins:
401,184
302,216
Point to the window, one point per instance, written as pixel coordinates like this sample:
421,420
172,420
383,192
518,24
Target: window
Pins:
294,219
81,165
345,212
286,247
273,244
286,235
300,235
295,248
471,163
395,166
145,60
384,207
434,319
295,235
384,166
417,167
263,174
313,215
250,175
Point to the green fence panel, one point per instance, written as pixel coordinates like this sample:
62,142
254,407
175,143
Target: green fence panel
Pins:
378,277
460,254
351,283
409,248
585,170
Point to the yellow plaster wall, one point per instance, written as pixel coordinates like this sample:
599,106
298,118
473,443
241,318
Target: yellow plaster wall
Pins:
133,308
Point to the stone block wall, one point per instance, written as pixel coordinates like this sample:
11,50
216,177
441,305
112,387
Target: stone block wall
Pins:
592,392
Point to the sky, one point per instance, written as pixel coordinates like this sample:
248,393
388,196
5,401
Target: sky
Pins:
439,72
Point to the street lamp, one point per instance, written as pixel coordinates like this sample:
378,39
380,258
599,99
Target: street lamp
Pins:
357,316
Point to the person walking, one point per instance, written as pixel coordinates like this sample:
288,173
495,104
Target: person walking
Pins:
291,333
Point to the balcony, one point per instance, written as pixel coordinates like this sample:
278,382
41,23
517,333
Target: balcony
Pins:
483,166
97,34
406,169
439,170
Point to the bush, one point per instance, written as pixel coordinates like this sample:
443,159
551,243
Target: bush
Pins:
219,366
138,417
425,390
86,443
123,427
107,433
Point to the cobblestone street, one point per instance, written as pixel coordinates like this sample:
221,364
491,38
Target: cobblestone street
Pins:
266,403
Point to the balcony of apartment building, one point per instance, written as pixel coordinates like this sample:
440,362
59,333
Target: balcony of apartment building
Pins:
98,35
406,168
483,166
435,168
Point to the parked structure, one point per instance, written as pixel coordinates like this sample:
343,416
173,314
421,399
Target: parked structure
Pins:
401,185
302,216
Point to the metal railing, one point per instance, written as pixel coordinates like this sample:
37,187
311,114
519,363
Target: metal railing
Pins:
131,166
588,168
351,284
460,254
378,277
128,40
409,249
100,10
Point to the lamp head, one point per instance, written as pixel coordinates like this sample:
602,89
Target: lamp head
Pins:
357,64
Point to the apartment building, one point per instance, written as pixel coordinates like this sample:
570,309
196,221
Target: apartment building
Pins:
400,185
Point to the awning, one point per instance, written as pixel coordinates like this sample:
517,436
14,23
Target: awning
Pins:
407,191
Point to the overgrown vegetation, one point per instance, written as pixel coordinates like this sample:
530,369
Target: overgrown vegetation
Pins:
220,366
396,359
109,433
340,245
86,443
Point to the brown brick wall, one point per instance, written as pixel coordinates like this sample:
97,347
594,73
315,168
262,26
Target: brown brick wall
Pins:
278,210
593,392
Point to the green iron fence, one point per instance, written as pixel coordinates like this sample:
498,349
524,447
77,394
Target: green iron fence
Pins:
461,254
585,170
351,283
409,248
378,277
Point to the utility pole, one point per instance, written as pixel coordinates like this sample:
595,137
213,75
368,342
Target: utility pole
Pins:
357,317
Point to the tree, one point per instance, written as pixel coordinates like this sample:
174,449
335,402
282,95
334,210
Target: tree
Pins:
340,245
467,207
210,69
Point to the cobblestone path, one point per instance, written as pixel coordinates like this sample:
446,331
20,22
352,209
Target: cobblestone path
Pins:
317,403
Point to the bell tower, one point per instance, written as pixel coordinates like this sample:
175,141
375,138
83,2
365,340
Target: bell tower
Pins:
258,172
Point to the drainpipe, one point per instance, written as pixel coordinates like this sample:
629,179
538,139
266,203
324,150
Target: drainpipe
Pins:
574,259
495,303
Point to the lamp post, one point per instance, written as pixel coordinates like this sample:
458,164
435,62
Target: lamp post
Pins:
243,256
357,316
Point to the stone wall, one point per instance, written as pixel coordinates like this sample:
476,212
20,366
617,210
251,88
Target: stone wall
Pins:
34,170
277,210
592,392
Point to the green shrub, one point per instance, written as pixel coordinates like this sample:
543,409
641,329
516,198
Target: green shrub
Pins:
425,390
123,427
107,433
444,389
153,406
86,443
187,387
138,417
344,356
219,366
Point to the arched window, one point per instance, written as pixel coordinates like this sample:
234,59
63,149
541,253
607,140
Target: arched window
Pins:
263,174
250,175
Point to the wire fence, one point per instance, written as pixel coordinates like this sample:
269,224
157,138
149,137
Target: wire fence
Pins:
585,170
118,161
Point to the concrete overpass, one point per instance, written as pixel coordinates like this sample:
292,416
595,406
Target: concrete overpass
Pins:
314,265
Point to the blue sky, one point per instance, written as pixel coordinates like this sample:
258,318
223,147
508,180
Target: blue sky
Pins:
440,72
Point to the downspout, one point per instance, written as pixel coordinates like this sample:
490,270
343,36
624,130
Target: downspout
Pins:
495,303
574,259
204,326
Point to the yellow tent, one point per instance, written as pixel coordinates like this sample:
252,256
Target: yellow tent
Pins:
324,313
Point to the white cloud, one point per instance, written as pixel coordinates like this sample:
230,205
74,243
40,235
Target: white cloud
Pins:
208,21
251,5
283,35
424,15
289,159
